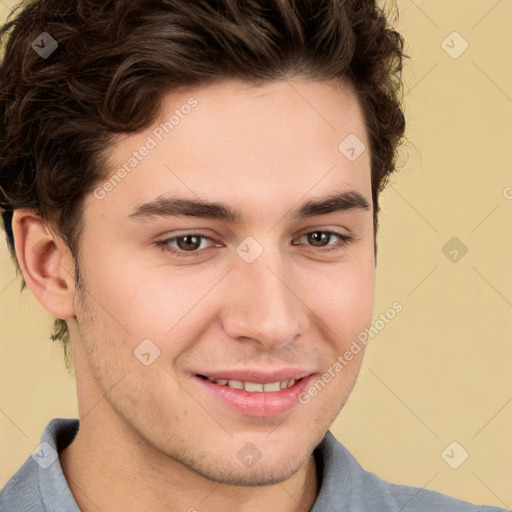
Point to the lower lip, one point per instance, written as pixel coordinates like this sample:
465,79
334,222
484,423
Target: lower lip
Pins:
259,404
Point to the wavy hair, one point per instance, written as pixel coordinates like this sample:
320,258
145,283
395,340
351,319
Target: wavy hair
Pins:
116,59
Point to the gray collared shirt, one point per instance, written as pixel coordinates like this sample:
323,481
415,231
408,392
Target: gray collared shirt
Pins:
40,484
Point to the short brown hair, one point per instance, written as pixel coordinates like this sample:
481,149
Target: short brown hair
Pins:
116,59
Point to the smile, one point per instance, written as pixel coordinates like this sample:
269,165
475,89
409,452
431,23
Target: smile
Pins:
252,387
255,393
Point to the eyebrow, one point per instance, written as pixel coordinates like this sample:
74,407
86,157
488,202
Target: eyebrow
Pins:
176,206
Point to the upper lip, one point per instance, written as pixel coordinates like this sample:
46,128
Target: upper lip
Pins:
258,376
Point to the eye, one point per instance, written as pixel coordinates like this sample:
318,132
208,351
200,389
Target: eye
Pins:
190,243
321,238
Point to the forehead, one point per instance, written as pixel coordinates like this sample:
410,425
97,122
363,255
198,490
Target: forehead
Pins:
274,142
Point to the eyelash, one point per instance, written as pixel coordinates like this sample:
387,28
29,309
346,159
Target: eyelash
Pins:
164,244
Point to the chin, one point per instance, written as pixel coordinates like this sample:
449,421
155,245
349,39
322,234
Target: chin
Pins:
270,469
262,473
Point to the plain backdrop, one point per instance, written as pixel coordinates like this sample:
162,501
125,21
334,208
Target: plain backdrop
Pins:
440,372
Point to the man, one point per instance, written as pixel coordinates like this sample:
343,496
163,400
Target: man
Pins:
191,189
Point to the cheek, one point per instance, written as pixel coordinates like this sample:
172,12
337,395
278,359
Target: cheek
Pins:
135,300
344,300
148,300
141,302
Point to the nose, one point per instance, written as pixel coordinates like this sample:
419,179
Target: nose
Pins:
265,303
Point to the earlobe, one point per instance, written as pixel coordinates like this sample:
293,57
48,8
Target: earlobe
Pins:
45,262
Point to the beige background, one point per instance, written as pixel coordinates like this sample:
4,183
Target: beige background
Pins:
441,370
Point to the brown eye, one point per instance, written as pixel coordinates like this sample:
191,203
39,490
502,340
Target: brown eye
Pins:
190,242
318,238
321,239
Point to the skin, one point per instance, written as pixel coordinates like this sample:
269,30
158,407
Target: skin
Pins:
150,436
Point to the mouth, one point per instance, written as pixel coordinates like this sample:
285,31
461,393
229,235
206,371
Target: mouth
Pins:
252,387
254,393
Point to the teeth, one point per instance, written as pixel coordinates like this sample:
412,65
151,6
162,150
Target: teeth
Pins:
254,387
236,384
272,386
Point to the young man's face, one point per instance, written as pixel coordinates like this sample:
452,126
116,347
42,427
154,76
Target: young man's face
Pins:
254,299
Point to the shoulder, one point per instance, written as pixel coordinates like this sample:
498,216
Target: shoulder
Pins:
410,499
40,478
22,491
347,486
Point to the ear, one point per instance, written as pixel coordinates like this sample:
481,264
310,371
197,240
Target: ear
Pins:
46,263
